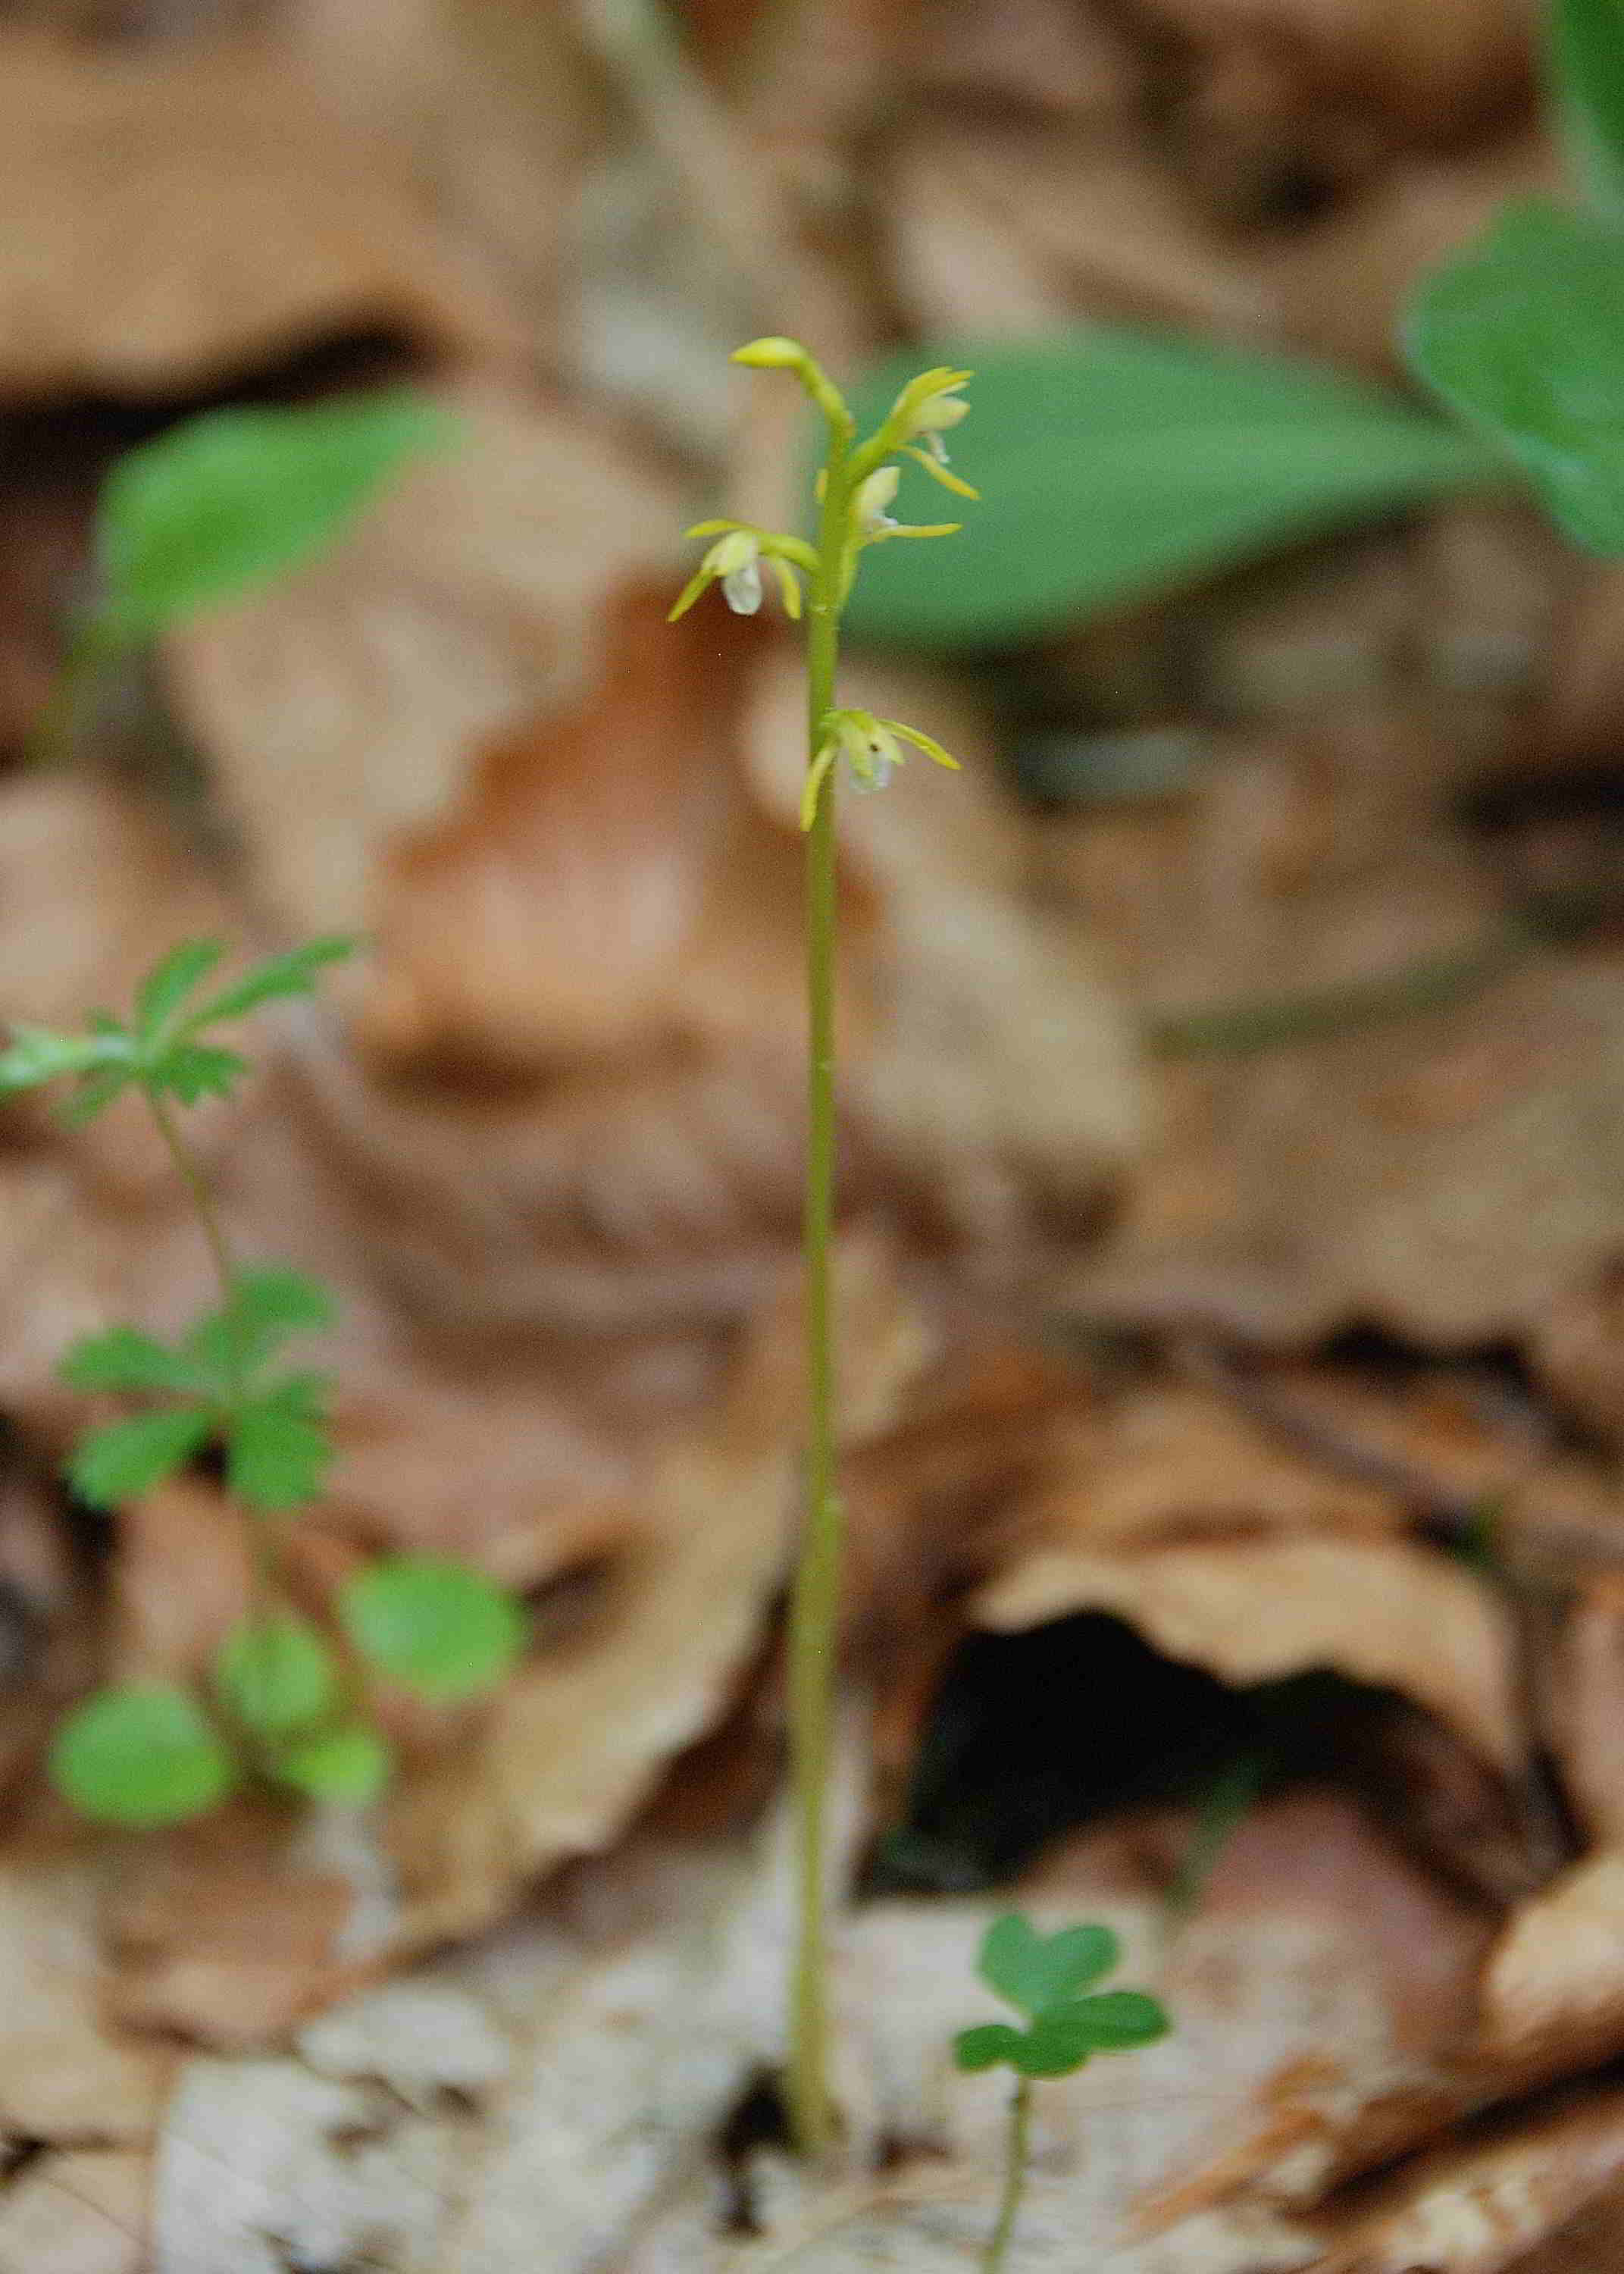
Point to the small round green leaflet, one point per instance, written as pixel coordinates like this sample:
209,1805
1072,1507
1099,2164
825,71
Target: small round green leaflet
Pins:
237,498
276,1675
141,1756
350,1765
435,1624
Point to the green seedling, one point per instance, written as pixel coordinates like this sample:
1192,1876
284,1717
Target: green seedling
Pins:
222,506
287,1700
855,488
1049,1980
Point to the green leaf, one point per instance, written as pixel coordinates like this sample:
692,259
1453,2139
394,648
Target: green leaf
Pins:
193,1071
1587,72
351,1764
1031,1971
170,982
276,1675
123,1358
278,1447
1064,2036
127,1458
96,1091
985,2046
1114,466
1523,335
141,1756
293,974
36,1055
435,1624
269,1304
233,499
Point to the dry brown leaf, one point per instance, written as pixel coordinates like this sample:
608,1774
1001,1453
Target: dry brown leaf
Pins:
192,213
1476,2209
65,2075
1187,1521
343,709
1554,1986
1436,1173
997,230
1587,1708
1340,287
1272,105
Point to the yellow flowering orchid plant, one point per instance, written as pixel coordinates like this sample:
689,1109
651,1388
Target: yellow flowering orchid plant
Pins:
854,492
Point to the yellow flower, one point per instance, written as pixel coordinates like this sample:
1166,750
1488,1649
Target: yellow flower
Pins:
871,749
735,563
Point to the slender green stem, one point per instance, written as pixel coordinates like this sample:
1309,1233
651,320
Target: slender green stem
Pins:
261,1557
190,1171
815,1613
1014,2176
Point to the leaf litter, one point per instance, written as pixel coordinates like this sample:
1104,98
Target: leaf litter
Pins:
1157,1346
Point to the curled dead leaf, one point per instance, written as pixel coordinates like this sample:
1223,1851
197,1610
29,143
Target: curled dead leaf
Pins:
194,211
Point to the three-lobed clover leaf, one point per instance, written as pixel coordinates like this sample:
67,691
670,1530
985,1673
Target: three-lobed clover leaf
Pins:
1031,1971
435,1624
141,1756
1043,1977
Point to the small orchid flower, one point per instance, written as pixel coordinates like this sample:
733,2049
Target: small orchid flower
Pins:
735,563
925,408
871,749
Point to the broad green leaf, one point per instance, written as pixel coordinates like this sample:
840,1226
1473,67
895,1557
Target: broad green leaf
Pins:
1587,74
170,982
293,974
141,1756
127,1458
123,1358
36,1055
278,1447
193,1071
1114,466
351,1764
1114,2022
436,1625
1031,1971
1522,335
276,1675
985,2046
231,501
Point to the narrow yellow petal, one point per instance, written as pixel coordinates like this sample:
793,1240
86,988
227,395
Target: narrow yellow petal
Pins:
943,474
814,782
690,592
922,741
791,584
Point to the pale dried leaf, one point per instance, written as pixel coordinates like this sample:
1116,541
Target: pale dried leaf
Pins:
84,2212
1554,1987
64,2075
194,211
